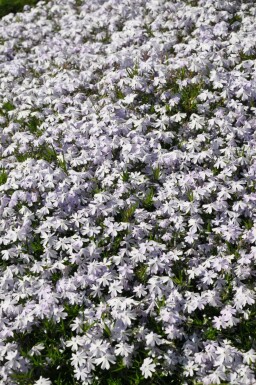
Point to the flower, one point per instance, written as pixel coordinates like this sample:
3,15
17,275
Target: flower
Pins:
148,367
127,188
105,360
249,357
75,342
43,381
36,349
153,339
124,349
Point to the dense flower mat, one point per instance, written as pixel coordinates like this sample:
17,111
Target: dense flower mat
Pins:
127,193
8,6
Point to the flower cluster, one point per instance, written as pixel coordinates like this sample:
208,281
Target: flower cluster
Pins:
128,193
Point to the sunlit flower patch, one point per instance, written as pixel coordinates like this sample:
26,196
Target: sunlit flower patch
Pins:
128,193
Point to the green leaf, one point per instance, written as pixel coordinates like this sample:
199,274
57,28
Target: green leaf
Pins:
107,331
3,177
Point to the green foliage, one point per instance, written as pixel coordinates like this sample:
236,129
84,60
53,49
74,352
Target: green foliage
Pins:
193,3
211,334
141,273
116,152
44,152
148,30
55,277
160,303
179,278
8,106
3,177
53,362
106,331
114,382
215,171
127,213
36,246
72,310
118,92
107,38
125,176
248,224
132,72
188,94
147,202
189,97
235,18
33,126
244,56
190,196
156,174
14,6
62,164
148,99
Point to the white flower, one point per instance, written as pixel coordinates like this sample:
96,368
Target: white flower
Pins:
75,342
140,291
129,98
148,367
79,358
43,381
77,325
105,360
249,357
123,349
36,350
190,369
153,339
81,374
115,288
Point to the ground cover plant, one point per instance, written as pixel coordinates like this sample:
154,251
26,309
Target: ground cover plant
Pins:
8,6
127,193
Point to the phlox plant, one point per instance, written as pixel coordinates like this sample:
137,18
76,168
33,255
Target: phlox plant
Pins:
128,193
